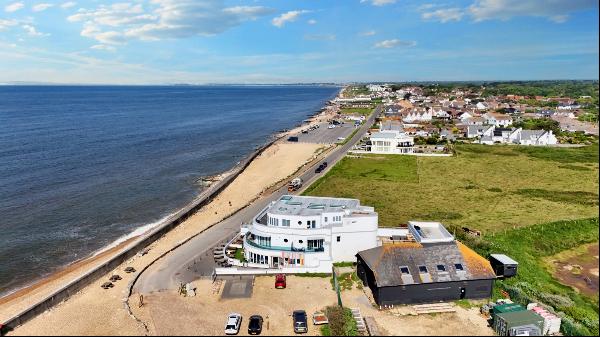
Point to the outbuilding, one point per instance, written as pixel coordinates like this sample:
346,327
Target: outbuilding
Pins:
503,265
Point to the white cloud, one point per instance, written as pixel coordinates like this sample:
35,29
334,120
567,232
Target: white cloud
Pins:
32,31
444,15
103,47
367,33
393,43
554,10
41,7
117,23
290,16
320,37
13,7
68,4
312,22
379,2
7,23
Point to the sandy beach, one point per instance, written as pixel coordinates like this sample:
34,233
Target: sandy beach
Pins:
80,314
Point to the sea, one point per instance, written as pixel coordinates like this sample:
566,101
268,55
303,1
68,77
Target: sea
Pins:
85,167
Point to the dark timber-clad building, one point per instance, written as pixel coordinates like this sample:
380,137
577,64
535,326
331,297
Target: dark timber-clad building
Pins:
431,268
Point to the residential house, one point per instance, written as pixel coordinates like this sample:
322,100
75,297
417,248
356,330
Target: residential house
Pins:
497,119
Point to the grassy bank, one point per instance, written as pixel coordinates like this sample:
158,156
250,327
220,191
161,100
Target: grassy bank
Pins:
530,246
488,188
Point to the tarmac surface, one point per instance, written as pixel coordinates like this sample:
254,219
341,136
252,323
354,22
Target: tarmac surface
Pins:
324,135
194,259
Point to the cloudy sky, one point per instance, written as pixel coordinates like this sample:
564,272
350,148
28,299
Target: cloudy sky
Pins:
283,41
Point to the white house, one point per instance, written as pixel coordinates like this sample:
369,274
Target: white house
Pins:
482,106
391,139
310,233
536,137
474,131
498,120
416,115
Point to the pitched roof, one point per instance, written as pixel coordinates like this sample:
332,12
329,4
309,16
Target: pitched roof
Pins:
388,261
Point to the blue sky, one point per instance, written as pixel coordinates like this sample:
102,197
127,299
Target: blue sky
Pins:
284,41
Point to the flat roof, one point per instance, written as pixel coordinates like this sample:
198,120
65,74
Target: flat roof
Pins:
429,232
308,205
503,259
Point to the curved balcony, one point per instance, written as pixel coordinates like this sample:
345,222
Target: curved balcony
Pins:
252,243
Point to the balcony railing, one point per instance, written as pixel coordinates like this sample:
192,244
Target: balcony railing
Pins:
284,249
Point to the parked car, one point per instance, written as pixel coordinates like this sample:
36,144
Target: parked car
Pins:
115,278
107,285
255,325
300,321
234,321
293,139
324,164
304,131
319,169
280,281
331,126
129,270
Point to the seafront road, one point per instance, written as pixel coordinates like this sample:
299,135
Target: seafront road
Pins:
194,258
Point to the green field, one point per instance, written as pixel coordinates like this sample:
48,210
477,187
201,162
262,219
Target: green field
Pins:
488,188
356,111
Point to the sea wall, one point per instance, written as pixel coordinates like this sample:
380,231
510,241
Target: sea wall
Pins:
100,271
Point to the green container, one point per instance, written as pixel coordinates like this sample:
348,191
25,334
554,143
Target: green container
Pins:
502,308
503,322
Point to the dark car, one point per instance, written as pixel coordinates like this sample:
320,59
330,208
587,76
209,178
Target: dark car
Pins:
319,169
324,164
115,278
255,325
107,285
300,321
293,139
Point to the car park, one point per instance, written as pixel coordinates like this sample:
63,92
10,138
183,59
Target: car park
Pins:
234,321
255,325
300,321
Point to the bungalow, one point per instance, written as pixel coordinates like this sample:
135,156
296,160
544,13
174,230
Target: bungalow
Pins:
474,131
497,119
536,137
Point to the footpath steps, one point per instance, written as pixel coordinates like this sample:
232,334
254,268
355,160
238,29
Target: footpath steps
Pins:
360,322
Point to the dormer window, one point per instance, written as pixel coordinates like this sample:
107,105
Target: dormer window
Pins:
423,270
441,268
405,270
459,267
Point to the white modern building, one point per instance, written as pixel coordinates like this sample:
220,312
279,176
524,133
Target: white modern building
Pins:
309,233
391,139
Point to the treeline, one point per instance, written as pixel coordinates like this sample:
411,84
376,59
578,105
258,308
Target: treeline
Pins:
574,89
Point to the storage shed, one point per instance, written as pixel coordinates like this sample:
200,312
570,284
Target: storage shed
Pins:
503,265
518,322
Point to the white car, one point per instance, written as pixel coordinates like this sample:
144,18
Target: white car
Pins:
234,321
331,126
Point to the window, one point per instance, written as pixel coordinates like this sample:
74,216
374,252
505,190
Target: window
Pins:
285,222
300,241
326,219
405,270
311,224
337,218
459,266
441,267
423,270
300,223
285,240
339,238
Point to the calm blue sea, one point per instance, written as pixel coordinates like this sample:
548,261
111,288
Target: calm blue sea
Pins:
82,166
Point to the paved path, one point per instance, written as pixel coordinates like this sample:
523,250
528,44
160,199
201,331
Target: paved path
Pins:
194,259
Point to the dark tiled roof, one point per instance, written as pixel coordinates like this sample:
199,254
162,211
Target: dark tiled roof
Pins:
387,261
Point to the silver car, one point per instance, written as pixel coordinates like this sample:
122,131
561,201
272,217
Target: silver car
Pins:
234,321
